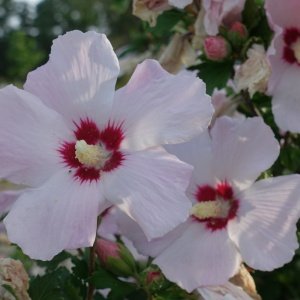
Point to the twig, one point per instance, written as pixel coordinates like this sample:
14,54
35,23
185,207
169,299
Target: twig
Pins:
92,260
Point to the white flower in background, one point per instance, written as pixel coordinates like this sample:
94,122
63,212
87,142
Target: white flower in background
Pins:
149,10
180,3
13,275
81,147
253,75
178,54
233,218
228,291
221,12
224,105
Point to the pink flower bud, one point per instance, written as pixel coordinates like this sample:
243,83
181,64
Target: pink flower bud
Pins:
115,257
240,29
153,276
106,249
216,48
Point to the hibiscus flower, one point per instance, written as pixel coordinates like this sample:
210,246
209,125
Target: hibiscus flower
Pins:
233,218
284,55
80,147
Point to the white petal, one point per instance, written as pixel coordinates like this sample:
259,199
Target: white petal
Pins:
227,291
199,257
150,187
133,231
109,227
62,214
286,99
79,78
7,199
180,3
242,149
194,152
232,10
216,12
278,64
198,153
266,235
30,136
284,13
160,108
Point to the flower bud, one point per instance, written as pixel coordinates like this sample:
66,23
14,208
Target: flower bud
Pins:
152,276
154,279
115,257
240,29
237,34
216,48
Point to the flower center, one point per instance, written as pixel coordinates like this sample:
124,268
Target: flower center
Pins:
90,155
296,48
291,50
211,209
215,205
93,151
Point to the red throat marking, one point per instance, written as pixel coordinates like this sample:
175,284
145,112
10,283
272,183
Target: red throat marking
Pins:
110,138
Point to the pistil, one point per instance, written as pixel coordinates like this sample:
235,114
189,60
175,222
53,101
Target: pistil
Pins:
296,49
211,209
90,155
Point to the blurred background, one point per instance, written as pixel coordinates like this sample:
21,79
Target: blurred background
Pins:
27,29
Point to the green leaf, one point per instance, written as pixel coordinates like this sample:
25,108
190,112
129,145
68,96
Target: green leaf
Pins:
215,74
168,20
252,14
57,285
46,287
98,296
102,279
54,263
80,268
137,295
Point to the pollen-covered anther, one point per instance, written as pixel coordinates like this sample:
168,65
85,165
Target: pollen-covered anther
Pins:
296,49
90,155
210,209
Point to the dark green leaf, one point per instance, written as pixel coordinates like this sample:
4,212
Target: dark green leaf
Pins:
215,74
57,285
54,263
102,279
46,287
252,14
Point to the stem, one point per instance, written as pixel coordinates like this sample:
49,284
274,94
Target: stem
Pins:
91,286
92,260
255,112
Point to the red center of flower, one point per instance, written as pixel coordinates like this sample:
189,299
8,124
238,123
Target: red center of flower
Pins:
215,205
291,50
93,151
